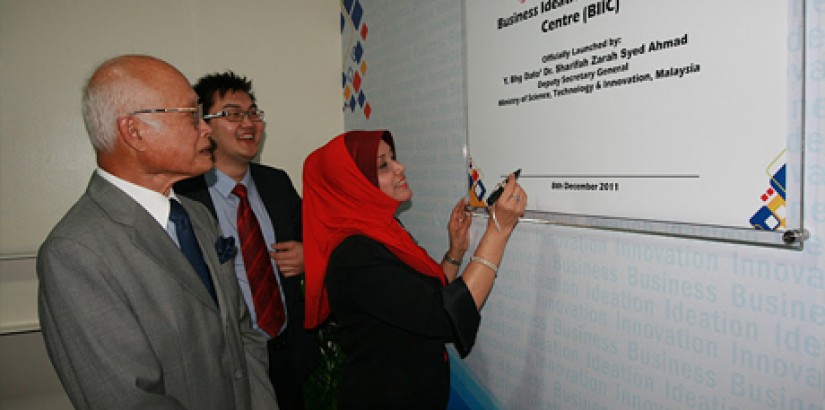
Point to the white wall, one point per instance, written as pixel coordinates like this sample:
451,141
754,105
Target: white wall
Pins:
291,51
577,317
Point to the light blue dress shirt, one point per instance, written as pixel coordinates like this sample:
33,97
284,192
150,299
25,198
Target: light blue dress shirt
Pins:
226,206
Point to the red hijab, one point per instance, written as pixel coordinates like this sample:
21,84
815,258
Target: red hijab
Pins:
340,201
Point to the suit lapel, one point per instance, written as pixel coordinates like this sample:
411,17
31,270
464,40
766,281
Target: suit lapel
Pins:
167,254
206,234
268,197
150,237
196,188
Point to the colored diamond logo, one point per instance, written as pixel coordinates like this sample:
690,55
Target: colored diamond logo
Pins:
356,81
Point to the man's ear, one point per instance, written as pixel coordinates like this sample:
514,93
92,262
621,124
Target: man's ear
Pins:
128,131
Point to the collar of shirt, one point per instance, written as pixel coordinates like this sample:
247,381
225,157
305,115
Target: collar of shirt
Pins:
224,184
154,202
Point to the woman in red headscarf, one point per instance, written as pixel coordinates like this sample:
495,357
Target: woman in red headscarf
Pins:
395,307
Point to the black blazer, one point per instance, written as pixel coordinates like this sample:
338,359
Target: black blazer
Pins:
283,205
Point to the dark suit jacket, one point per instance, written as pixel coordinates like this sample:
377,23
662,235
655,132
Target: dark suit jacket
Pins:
127,322
283,205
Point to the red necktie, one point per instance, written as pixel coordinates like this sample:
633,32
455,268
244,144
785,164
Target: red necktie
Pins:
265,293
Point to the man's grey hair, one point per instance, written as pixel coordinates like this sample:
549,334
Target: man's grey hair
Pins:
109,93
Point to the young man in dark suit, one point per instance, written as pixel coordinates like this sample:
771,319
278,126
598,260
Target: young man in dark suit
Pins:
277,306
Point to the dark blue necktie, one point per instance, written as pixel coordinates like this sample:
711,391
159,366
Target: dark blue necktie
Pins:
189,245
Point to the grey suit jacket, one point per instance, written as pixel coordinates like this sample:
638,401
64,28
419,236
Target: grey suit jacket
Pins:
129,325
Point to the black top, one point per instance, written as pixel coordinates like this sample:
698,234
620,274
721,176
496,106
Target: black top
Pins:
393,323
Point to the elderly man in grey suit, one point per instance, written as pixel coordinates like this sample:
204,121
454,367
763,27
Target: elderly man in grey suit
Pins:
138,300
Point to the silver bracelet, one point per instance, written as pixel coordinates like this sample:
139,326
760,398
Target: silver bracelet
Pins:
486,263
450,260
492,211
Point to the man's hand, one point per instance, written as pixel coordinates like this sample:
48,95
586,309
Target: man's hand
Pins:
289,256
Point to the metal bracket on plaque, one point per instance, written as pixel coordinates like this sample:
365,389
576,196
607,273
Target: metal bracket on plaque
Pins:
796,235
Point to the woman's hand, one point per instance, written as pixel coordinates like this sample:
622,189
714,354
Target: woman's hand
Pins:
504,214
459,227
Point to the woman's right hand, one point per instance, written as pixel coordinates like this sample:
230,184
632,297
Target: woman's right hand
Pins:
507,210
504,214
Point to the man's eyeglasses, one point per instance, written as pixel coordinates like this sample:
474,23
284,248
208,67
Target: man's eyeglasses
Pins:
236,115
197,112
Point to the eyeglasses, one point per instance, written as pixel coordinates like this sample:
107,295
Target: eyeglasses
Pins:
197,112
236,115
